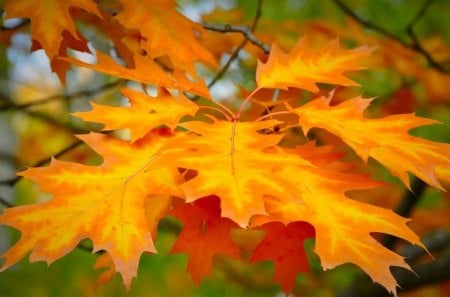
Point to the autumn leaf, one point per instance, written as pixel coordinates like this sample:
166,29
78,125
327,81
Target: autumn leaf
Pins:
145,70
126,41
385,139
205,233
232,163
45,27
143,114
163,30
304,68
156,207
343,226
284,246
105,203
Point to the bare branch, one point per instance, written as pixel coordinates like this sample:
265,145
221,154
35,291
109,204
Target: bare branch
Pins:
245,30
5,202
435,241
236,52
85,93
406,206
414,45
13,181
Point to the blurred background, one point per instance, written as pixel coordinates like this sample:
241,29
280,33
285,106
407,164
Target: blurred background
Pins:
409,72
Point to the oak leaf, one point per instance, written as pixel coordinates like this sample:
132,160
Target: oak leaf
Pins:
145,70
45,27
304,68
163,30
156,207
385,139
143,114
205,233
104,203
232,161
284,246
343,226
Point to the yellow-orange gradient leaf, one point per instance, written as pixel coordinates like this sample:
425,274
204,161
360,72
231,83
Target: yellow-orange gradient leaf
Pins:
164,29
156,207
304,68
343,226
49,19
143,114
233,162
385,139
104,203
145,70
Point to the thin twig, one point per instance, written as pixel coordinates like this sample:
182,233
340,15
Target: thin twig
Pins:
13,181
53,121
245,30
236,52
85,93
5,202
415,45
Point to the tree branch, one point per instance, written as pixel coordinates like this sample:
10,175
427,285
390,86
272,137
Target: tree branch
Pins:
13,181
5,202
85,93
245,30
406,206
436,241
415,45
236,52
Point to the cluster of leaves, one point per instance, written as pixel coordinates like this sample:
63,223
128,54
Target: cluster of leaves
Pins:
215,173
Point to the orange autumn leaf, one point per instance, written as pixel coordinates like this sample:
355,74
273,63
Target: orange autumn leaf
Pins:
385,139
143,114
284,246
45,27
342,226
303,67
145,70
205,234
160,39
232,163
103,203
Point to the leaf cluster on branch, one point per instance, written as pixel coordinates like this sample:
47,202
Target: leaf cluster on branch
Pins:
217,168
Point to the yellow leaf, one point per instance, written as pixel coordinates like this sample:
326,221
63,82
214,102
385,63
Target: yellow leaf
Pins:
385,139
145,70
144,114
156,207
164,29
46,28
304,68
233,162
104,203
343,226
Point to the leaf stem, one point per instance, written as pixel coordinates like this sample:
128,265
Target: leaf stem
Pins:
218,110
241,108
269,115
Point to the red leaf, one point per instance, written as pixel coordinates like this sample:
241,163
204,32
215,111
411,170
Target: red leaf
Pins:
284,246
205,233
